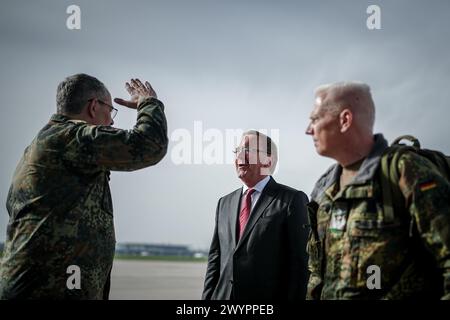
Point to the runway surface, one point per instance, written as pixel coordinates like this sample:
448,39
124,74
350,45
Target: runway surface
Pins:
157,280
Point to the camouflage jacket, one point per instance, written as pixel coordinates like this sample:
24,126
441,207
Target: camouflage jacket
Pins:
350,235
60,205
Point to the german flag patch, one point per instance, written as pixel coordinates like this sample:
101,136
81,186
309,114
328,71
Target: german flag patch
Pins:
427,186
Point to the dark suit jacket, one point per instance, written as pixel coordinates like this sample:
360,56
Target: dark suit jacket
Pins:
270,260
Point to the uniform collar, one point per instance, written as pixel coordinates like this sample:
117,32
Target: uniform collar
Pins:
61,118
365,173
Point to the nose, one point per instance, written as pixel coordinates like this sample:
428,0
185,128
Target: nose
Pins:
112,122
309,130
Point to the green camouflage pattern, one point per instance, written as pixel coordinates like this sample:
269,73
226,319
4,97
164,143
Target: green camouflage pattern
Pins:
350,233
60,205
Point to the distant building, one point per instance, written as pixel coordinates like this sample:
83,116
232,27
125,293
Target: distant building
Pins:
143,249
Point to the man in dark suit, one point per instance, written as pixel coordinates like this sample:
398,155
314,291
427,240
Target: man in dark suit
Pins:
258,250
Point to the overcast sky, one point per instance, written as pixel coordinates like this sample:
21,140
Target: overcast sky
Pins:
233,65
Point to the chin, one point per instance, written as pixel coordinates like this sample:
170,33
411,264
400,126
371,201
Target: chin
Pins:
240,174
320,151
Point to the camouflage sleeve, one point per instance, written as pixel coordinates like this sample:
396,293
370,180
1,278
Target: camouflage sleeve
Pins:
91,146
314,250
427,195
315,281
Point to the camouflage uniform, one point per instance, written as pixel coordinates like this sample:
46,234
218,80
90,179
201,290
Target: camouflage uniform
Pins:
350,233
60,204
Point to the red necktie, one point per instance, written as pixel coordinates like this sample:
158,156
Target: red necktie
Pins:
245,211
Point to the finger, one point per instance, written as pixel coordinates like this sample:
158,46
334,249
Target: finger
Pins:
139,83
129,88
148,86
121,101
125,103
134,84
150,89
140,88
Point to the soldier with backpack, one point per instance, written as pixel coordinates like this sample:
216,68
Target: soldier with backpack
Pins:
380,217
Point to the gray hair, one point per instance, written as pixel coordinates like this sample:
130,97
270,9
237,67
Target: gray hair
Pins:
74,92
270,146
353,94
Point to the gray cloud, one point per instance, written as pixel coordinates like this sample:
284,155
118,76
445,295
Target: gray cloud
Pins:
230,64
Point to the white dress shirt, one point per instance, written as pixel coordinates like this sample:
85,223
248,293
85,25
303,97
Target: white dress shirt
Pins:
259,187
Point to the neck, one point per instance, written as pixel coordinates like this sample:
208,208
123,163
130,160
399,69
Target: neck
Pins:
353,167
354,152
251,184
79,116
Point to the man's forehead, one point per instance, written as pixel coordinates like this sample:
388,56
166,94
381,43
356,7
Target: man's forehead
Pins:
317,110
324,97
318,101
248,138
321,100
252,141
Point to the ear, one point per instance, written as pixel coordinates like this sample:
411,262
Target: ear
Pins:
345,120
266,161
265,167
91,108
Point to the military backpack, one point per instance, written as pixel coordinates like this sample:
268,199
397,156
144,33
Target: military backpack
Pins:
392,197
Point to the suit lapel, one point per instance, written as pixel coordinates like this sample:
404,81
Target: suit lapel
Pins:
264,201
234,207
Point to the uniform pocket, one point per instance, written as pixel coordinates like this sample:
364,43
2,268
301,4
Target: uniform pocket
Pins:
375,243
371,228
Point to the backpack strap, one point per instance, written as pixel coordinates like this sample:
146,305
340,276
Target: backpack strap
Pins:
388,210
393,200
389,199
415,142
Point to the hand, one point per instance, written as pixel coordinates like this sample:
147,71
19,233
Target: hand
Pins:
137,92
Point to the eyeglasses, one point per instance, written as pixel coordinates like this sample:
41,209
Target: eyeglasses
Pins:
246,150
112,110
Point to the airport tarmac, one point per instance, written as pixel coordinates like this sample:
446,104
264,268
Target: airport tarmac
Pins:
157,280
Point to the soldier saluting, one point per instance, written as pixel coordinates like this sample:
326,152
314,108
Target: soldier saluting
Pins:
351,230
59,202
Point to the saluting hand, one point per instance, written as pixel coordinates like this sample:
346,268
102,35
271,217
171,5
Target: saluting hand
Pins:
137,90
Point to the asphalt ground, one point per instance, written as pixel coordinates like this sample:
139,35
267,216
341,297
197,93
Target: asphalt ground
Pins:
157,280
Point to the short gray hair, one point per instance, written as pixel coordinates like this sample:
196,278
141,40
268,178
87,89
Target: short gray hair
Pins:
74,91
271,147
354,94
